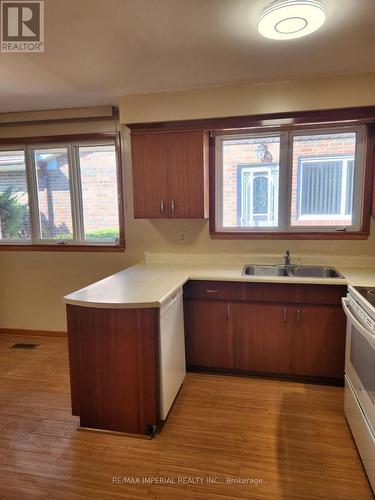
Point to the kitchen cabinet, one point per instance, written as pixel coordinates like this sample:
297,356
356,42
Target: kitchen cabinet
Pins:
283,329
113,360
277,293
303,341
210,340
319,341
149,177
170,175
126,365
263,338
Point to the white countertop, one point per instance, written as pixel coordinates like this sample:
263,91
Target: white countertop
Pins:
150,284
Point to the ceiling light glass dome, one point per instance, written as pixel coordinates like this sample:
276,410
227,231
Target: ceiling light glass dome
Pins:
287,19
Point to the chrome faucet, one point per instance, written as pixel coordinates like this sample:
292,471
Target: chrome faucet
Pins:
287,258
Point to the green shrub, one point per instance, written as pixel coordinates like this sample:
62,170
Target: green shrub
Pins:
103,234
11,212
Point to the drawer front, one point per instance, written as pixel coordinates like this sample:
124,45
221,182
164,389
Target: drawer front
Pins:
210,290
265,292
362,433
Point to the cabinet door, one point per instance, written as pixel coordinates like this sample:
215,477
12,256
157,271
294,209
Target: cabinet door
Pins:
208,334
113,356
319,341
263,337
187,174
149,176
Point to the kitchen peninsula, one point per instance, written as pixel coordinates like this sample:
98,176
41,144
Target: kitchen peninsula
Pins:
127,359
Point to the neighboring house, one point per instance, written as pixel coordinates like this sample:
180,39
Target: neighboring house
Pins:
322,182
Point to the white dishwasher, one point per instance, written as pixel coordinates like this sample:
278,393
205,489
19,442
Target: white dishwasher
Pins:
171,351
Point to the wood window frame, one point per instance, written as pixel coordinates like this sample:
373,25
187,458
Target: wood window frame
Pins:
87,247
367,200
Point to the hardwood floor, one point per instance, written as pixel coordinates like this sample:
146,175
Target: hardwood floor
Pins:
292,436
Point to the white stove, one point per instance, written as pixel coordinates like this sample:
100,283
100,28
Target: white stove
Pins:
359,307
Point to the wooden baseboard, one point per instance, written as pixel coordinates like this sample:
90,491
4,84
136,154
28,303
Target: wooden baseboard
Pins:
305,379
116,433
32,333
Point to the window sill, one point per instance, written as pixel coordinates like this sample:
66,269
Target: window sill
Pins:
357,235
61,248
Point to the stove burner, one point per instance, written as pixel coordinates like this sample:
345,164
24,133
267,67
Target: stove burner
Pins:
368,293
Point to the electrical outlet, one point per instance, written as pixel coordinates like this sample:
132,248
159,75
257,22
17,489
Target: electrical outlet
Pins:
182,236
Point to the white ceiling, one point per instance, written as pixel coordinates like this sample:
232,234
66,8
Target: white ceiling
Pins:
97,50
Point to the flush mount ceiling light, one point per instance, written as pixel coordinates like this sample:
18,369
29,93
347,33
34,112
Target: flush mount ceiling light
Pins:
287,19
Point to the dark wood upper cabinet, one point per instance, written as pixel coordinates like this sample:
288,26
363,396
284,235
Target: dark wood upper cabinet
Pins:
319,341
149,177
187,174
209,339
263,339
170,175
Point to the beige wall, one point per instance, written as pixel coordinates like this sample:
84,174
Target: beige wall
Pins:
250,98
33,283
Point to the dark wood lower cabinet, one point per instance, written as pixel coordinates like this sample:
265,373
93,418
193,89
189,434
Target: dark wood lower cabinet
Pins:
319,342
302,338
209,342
263,339
114,353
113,357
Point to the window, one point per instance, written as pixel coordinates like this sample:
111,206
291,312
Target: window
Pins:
250,181
323,180
66,193
333,178
55,218
259,192
99,175
14,200
290,182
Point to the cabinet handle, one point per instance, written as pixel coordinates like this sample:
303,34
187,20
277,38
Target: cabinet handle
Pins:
212,291
228,312
298,316
285,315
173,206
162,206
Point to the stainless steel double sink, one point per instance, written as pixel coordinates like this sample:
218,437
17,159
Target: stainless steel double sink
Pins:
291,271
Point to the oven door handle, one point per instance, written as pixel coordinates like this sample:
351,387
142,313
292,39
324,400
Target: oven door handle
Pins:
369,336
